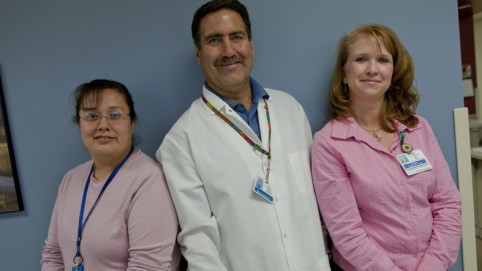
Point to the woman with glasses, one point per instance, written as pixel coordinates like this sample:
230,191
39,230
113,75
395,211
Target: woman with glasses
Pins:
113,212
382,183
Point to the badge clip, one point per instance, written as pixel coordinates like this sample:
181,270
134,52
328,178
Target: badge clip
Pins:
407,148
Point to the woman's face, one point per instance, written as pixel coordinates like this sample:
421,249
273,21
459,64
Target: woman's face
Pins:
368,70
107,139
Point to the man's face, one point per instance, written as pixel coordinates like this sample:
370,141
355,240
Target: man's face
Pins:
225,53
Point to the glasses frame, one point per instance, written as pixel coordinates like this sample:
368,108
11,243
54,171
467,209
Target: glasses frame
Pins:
109,117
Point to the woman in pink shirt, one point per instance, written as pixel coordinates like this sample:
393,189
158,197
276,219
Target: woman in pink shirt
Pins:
382,184
113,212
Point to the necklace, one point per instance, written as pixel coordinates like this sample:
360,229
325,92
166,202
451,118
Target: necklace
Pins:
375,135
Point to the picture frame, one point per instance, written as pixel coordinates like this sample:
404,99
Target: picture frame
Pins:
10,196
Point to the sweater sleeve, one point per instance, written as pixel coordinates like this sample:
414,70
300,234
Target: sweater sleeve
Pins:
152,226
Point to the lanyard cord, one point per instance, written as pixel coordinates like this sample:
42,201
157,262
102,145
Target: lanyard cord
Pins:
78,255
406,148
255,146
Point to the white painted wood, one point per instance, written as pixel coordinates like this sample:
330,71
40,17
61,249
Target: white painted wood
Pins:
463,151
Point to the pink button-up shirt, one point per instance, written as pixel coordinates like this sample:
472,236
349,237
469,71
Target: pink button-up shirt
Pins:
378,217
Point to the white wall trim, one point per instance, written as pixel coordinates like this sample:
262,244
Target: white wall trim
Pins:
477,16
462,144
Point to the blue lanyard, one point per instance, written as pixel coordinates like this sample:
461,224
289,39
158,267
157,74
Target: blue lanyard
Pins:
78,256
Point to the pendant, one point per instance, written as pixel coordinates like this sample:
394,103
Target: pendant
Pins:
377,137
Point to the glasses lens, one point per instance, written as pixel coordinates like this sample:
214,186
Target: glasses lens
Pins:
115,115
90,116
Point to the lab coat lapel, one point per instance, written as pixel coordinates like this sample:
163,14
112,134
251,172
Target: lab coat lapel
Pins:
224,108
263,121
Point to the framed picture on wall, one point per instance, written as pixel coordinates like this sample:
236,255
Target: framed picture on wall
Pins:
10,197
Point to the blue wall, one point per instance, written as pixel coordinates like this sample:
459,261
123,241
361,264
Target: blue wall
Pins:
49,47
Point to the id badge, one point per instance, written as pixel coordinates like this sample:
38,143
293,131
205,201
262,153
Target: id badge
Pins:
77,267
263,189
414,162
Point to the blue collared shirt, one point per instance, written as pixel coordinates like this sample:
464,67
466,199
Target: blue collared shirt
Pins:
251,116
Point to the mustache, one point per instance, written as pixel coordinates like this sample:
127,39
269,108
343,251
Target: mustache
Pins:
229,60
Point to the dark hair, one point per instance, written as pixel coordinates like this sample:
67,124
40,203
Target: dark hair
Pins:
213,6
401,99
92,91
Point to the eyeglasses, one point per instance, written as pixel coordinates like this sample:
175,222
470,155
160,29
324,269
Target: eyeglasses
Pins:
92,116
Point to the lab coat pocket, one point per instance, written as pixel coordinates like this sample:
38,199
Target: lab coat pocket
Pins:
300,164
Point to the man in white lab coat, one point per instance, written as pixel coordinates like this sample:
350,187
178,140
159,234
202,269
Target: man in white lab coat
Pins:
237,161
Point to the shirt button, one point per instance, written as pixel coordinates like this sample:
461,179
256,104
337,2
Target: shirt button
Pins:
285,235
276,198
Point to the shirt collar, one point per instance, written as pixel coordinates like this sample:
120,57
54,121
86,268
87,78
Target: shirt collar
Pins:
258,92
346,128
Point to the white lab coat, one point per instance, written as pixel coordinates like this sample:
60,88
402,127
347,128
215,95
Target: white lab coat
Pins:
211,171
